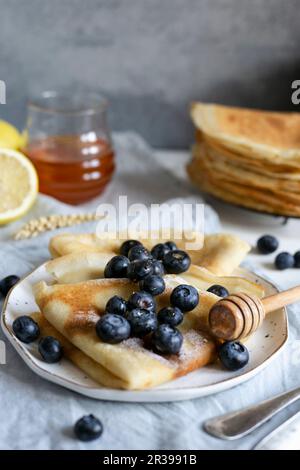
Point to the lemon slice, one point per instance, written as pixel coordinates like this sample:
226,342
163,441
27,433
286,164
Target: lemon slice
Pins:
10,137
18,185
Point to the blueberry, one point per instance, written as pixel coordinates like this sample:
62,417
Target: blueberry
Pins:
158,268
26,329
159,251
126,246
117,267
50,349
233,355
142,300
112,328
138,252
218,290
7,283
116,305
171,245
167,340
142,321
139,269
88,428
297,259
176,262
184,297
155,285
171,315
284,261
267,244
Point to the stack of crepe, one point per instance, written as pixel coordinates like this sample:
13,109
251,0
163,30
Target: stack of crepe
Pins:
71,305
248,157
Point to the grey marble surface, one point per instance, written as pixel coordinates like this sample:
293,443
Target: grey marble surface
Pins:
151,58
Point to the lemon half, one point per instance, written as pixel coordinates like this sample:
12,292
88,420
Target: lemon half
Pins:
18,185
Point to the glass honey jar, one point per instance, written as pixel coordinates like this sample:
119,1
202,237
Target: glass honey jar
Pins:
69,144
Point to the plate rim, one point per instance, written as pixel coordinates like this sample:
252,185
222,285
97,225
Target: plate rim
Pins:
138,395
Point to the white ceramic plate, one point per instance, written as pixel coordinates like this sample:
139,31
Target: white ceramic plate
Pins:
263,346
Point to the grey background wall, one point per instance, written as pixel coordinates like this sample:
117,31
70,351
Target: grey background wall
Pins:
152,57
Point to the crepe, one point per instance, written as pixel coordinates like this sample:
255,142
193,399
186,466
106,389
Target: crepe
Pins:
74,309
83,266
254,187
268,133
245,197
250,158
79,266
90,367
220,253
202,279
66,243
246,172
275,164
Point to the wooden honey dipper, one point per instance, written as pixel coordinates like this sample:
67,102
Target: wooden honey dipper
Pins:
239,315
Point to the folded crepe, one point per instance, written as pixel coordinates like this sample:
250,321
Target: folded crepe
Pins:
66,243
250,158
90,367
264,162
245,188
243,171
266,133
74,309
260,199
220,253
84,266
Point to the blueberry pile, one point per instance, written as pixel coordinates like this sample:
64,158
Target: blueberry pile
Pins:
135,262
27,330
137,316
268,244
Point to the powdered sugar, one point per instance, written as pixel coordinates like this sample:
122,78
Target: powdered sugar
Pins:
137,344
191,351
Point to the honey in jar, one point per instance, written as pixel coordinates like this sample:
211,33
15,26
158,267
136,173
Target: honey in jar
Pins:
69,145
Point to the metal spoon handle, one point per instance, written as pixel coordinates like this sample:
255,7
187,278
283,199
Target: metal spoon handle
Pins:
282,438
240,423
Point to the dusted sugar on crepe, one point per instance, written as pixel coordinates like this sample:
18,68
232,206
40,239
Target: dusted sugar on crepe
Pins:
73,310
